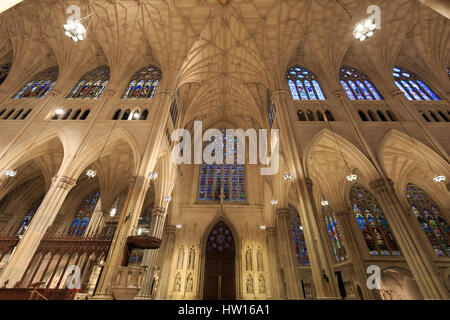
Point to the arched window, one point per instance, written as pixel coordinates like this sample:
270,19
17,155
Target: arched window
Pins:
126,114
143,84
412,86
371,115
362,115
433,116
2,112
320,115
303,84
9,114
18,114
272,113
301,115
310,115
77,113
357,84
230,176
26,114
85,114
373,225
430,219
92,84
29,216
39,85
145,219
424,116
298,237
334,234
117,114
220,240
443,116
381,115
174,111
67,114
329,115
84,214
144,114
4,71
391,115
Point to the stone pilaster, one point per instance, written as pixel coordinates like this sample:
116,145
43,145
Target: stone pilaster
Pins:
418,258
168,249
277,287
43,218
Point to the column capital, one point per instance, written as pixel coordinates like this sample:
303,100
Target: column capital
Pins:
168,93
54,93
342,213
396,93
271,231
283,212
64,182
109,92
339,93
279,94
158,212
380,185
309,184
170,228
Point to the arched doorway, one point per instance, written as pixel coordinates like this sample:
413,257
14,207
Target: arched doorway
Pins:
220,282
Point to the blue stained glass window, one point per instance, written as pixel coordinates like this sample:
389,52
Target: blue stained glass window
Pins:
298,237
147,80
303,84
91,84
29,216
302,90
347,89
318,90
356,90
230,176
334,233
84,213
430,219
374,227
4,71
39,85
361,87
293,89
412,86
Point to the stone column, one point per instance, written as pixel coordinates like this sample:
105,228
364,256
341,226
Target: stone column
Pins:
323,249
418,258
276,283
43,218
352,250
285,253
167,253
156,229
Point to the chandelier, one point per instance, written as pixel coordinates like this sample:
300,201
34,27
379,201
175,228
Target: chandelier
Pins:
75,30
153,175
91,173
439,178
274,202
263,227
287,176
10,173
352,177
167,198
364,29
324,203
178,226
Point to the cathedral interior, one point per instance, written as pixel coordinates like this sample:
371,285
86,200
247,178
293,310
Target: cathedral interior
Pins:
94,207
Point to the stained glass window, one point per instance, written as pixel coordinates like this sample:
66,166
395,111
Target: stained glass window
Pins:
84,213
220,240
272,113
29,216
91,84
371,221
4,71
143,84
298,237
39,85
230,176
430,219
303,84
334,234
143,227
174,109
412,86
357,85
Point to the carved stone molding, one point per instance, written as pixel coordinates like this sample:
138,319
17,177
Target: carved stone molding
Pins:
54,93
279,94
340,94
170,229
309,184
168,93
271,231
396,93
2,95
65,182
158,212
282,212
109,92
380,185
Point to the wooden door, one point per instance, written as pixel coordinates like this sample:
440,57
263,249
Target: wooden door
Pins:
220,280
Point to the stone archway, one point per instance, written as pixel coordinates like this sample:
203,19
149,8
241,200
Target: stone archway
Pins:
220,273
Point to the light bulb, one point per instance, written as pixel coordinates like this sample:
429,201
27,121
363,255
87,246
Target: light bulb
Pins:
352,177
153,175
10,173
178,226
263,227
439,178
324,203
136,115
91,173
274,202
369,34
287,176
167,198
66,27
362,38
373,27
112,213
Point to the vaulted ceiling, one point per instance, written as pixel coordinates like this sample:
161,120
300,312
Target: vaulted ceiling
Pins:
226,52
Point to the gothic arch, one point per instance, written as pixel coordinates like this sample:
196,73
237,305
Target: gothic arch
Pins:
403,159
325,165
238,246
